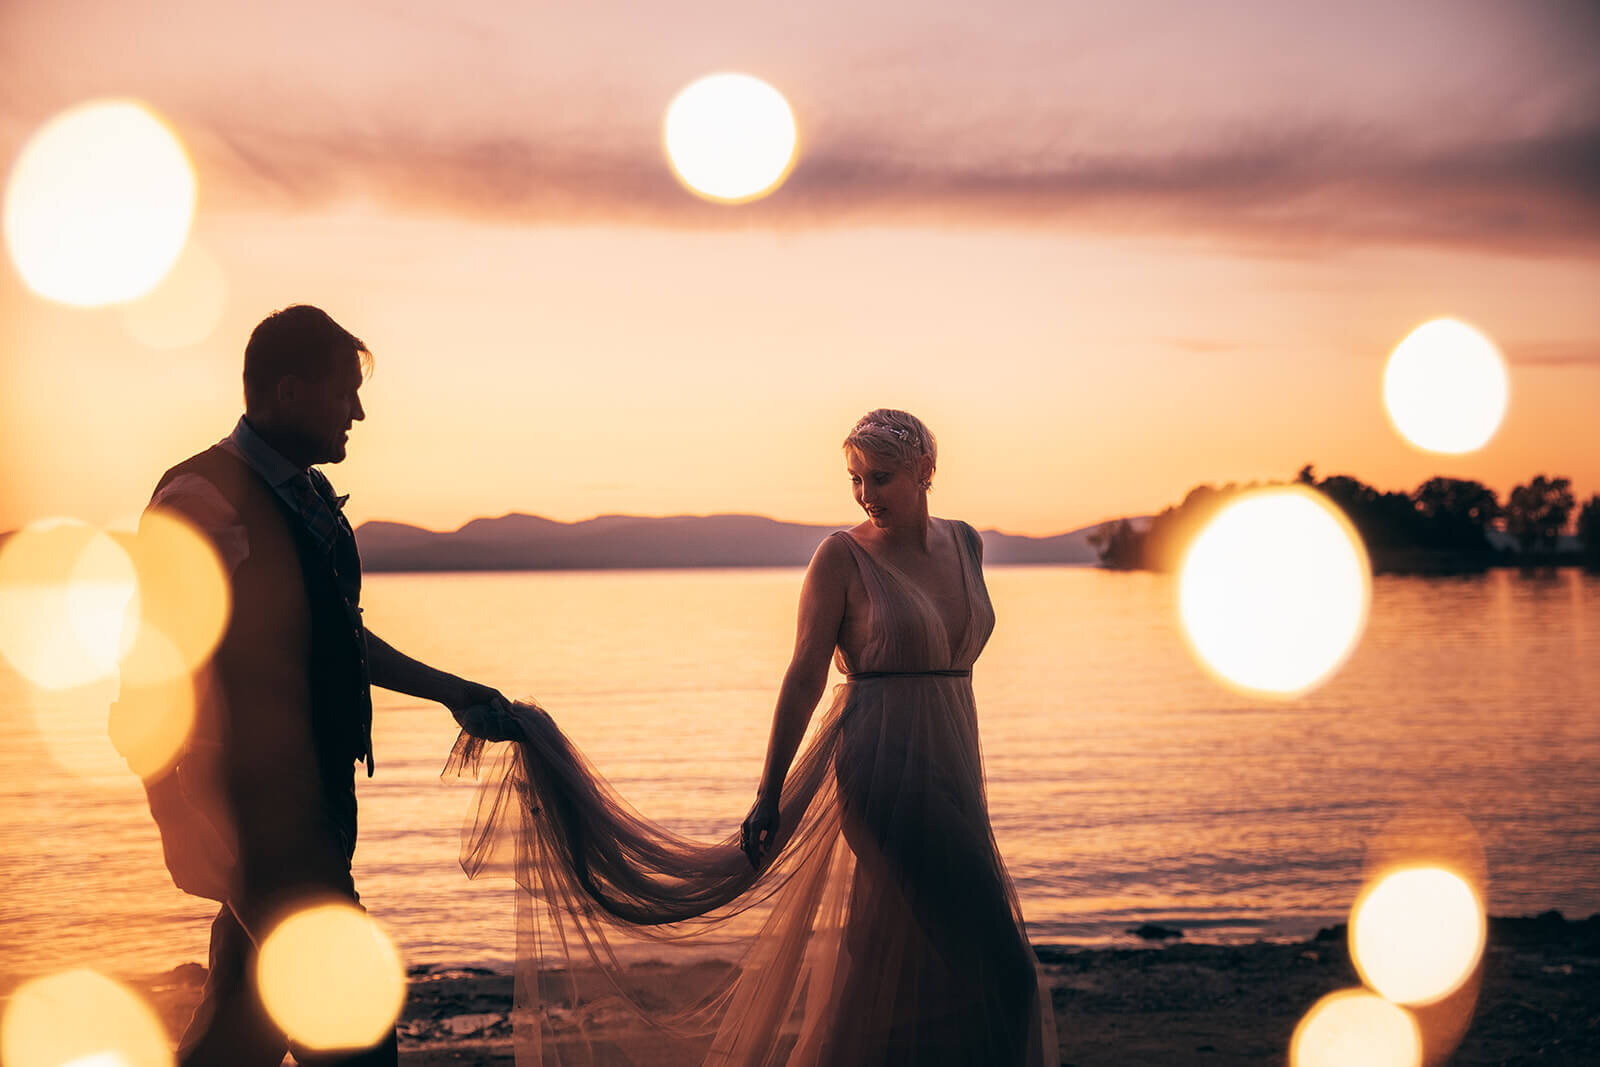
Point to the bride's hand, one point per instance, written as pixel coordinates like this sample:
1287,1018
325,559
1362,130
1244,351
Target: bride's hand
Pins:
759,830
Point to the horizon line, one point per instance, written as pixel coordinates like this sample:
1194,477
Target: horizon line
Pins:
716,515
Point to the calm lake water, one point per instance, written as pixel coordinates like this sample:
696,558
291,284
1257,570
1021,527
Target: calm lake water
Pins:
1125,784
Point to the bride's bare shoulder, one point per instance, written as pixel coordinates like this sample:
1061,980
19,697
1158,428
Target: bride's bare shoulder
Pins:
833,553
833,562
964,531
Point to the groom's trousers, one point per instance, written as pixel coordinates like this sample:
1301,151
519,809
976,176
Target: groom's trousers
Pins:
231,1028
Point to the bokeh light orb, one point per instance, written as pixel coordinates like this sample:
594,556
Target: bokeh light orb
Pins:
730,137
1417,934
1446,387
1273,592
99,203
83,1019
72,727
66,589
185,308
1428,833
184,599
154,712
1354,1027
331,978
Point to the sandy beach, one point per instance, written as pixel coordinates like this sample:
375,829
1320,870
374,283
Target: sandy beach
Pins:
1536,1000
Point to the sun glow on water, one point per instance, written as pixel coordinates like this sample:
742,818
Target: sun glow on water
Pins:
730,137
99,203
1273,592
1446,387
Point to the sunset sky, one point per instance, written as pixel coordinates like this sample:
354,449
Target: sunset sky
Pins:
1106,251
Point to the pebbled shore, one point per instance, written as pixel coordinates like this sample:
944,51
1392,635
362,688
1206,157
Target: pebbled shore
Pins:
1537,1003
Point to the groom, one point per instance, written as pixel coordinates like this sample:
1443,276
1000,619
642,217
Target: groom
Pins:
287,707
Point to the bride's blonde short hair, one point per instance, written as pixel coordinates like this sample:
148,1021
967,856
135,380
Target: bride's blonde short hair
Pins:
898,436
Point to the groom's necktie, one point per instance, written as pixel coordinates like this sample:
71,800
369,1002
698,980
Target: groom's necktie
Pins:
316,510
320,509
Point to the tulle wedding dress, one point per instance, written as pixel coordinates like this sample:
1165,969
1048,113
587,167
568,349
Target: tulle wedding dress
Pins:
882,930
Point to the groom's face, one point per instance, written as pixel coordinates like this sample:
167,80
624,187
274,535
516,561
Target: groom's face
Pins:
321,411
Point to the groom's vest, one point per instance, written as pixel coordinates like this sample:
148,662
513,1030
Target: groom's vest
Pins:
285,561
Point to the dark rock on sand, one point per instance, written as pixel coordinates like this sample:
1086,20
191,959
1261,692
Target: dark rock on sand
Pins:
1546,928
1153,932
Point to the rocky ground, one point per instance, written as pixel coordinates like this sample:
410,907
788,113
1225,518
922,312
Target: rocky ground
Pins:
1534,1001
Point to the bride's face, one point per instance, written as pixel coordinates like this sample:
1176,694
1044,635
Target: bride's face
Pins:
886,491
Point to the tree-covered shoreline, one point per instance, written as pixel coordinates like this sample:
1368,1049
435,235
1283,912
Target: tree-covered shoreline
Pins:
1443,526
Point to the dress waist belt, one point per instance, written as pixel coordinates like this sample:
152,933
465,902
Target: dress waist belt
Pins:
862,676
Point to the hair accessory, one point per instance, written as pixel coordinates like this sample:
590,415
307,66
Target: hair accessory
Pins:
903,435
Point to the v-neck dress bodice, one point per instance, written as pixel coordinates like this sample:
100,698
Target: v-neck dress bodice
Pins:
906,630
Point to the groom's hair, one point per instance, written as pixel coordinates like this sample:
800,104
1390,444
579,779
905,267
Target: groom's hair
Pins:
300,340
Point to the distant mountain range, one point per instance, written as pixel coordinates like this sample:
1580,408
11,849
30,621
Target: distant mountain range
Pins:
527,542
614,542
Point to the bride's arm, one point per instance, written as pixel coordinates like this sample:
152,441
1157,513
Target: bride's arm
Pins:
822,606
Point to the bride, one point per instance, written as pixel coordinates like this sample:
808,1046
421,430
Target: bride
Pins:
864,903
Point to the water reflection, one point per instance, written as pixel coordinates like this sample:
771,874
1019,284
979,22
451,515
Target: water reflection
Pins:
1124,786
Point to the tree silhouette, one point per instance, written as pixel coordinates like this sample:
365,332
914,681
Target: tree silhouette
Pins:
1455,513
1170,532
1536,513
1589,533
1352,494
1120,546
1385,521
1441,528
